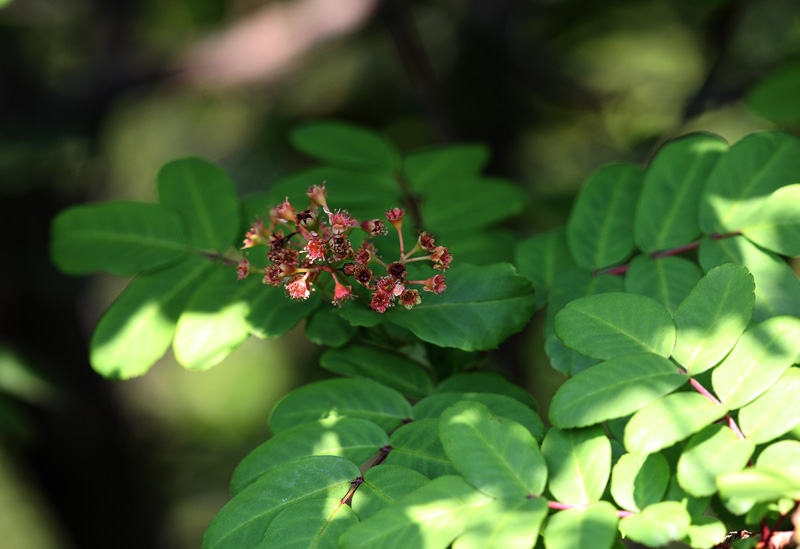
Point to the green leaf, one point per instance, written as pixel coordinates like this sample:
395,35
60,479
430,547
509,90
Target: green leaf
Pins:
357,314
433,167
705,532
137,328
711,319
382,486
782,456
759,484
775,412
749,172
696,506
433,406
505,524
639,480
355,440
668,420
609,325
121,238
469,204
594,526
213,323
417,446
325,327
657,524
317,522
600,227
543,258
775,97
202,194
497,455
430,517
345,145
244,519
358,398
490,245
391,369
272,313
776,224
759,358
484,381
777,287
481,308
666,215
714,451
615,388
578,464
667,280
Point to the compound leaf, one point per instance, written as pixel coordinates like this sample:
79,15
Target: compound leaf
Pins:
315,522
382,486
416,445
667,280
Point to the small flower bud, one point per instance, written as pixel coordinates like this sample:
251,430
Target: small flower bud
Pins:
341,293
435,284
410,299
395,217
374,227
284,211
318,195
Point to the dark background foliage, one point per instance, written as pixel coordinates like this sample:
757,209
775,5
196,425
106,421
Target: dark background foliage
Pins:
96,95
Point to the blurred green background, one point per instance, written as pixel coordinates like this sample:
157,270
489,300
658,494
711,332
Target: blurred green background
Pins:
96,94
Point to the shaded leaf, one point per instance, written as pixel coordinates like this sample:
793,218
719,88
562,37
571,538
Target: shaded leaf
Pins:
484,381
639,480
712,452
748,172
759,358
138,327
382,486
666,215
317,522
244,519
358,314
667,280
416,445
121,238
608,325
391,369
459,204
345,145
594,526
202,194
711,319
505,524
358,398
775,412
543,258
481,308
496,455
325,327
775,225
657,524
432,167
600,227
353,439
775,97
431,517
668,420
615,388
272,313
578,464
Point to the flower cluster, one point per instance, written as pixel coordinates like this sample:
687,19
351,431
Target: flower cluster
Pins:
301,245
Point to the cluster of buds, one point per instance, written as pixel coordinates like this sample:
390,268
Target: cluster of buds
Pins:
302,245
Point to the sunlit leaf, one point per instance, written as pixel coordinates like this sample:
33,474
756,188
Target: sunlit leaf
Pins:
244,519
383,485
345,145
639,480
498,456
353,439
668,280
430,517
608,325
657,524
775,412
600,227
713,316
776,224
615,388
668,420
481,307
666,215
391,369
759,484
202,194
121,238
706,532
578,464
714,451
747,173
594,526
358,398
138,327
316,522
504,524
417,446
777,287
759,358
